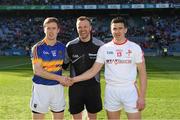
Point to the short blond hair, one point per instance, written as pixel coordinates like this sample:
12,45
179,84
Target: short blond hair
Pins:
50,20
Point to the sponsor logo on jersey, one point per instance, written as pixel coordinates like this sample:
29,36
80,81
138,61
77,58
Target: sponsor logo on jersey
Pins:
110,52
92,56
45,53
75,56
76,59
118,61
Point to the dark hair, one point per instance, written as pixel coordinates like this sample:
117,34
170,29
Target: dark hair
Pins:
51,19
82,18
120,20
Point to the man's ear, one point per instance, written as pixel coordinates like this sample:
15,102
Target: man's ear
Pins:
125,31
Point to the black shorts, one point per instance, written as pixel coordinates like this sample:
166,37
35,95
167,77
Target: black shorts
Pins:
85,96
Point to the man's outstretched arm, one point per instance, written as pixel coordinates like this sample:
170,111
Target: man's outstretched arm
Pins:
89,73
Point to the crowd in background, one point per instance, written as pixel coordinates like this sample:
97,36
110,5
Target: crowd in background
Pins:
151,32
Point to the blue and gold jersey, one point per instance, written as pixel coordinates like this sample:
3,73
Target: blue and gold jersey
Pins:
51,59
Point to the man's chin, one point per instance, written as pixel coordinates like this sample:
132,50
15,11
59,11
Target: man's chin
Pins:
83,37
51,38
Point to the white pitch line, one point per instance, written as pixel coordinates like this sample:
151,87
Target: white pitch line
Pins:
12,66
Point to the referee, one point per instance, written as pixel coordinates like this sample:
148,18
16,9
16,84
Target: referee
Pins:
82,54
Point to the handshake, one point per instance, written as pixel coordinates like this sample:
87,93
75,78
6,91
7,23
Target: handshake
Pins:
66,81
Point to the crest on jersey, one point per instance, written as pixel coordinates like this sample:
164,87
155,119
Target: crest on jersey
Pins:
53,53
118,53
60,53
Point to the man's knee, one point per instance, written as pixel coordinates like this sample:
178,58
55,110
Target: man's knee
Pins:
92,116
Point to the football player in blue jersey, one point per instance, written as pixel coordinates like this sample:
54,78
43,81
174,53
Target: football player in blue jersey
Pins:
48,83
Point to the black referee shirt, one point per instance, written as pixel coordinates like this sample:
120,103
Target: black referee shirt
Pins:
82,56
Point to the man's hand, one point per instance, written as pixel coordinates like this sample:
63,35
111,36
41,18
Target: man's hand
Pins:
73,79
140,104
69,82
65,81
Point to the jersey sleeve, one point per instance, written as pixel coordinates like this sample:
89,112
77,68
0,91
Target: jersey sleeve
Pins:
66,60
100,55
139,55
36,55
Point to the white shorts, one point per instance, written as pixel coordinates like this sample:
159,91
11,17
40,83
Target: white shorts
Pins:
119,97
45,96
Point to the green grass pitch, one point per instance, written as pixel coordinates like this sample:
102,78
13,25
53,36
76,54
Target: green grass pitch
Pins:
163,93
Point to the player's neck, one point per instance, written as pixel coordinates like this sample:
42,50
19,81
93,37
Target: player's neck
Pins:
87,39
50,42
120,40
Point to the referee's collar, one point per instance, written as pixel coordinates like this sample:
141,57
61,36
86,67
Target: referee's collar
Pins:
87,41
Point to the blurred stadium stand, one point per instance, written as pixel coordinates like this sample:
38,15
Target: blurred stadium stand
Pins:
21,22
